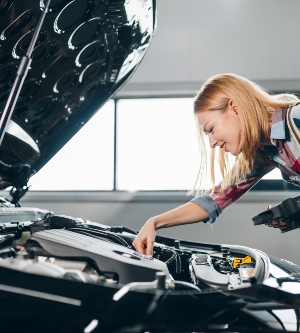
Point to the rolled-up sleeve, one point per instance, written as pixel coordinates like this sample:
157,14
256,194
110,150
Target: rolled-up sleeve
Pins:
208,204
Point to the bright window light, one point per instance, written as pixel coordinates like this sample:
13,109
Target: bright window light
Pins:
157,144
274,174
86,162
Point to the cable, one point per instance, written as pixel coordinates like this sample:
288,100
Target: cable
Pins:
107,234
83,232
120,229
175,256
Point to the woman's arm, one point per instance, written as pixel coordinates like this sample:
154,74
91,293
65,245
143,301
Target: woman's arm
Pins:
201,208
185,214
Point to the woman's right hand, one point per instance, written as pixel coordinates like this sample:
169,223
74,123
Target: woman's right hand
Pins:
144,241
185,214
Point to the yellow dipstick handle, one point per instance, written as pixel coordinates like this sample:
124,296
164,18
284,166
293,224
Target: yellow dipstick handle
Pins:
239,261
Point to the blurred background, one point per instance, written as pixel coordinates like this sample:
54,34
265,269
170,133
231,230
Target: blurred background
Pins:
138,156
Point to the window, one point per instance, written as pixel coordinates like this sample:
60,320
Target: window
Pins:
156,144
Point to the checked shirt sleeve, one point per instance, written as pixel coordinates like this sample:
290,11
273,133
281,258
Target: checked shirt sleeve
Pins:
214,204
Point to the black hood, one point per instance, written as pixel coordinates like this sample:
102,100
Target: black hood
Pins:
85,52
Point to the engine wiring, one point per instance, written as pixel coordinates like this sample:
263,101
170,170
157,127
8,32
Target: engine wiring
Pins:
106,234
175,257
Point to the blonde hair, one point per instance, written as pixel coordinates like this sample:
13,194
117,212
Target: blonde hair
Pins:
255,106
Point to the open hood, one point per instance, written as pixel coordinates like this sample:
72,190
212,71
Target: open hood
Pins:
85,52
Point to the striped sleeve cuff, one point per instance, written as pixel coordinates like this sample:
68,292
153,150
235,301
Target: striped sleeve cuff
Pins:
208,204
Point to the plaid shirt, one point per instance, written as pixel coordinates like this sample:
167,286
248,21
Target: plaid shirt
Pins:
284,154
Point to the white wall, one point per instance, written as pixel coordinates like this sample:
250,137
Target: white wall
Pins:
196,39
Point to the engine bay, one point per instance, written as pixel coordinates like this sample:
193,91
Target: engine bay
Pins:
84,251
60,265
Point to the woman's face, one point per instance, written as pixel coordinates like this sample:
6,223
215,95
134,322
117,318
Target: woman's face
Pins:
222,127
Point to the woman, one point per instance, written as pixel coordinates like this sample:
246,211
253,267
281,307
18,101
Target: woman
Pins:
241,119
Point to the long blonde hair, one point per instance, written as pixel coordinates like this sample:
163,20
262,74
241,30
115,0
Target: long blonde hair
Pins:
255,106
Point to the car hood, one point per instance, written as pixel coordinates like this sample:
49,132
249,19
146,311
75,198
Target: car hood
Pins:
85,52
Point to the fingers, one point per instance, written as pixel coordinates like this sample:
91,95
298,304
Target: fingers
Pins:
273,224
144,241
279,223
149,249
144,248
139,246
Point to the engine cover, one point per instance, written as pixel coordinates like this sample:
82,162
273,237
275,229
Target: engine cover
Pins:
129,265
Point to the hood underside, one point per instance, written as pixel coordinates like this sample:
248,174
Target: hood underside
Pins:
85,52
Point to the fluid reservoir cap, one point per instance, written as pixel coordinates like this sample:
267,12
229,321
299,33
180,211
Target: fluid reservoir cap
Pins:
201,259
148,257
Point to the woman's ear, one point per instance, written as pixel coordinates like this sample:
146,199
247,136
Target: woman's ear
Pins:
232,106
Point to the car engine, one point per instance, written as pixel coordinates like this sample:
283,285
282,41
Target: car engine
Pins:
87,251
